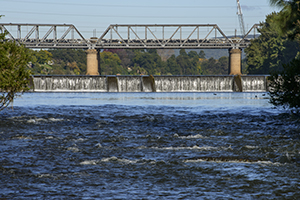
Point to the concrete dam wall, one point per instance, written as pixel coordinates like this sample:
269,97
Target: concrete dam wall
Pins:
150,83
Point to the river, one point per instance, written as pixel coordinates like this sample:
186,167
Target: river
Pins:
148,146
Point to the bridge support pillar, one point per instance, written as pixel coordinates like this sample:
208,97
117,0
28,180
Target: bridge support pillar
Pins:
235,60
92,62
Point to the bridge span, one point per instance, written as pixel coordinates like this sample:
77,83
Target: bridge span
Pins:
131,36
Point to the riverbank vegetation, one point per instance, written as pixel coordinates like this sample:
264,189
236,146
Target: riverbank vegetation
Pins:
285,83
14,75
271,50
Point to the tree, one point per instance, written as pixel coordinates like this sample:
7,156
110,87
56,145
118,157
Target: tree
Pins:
125,55
63,61
289,19
223,65
110,63
14,77
216,67
42,56
270,50
183,60
193,54
40,62
149,60
285,86
172,67
202,54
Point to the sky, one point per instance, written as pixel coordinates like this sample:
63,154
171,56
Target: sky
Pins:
93,16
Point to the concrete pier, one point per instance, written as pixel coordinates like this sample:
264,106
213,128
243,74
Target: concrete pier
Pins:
92,62
235,59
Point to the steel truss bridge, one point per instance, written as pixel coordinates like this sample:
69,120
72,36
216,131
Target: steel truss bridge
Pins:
162,36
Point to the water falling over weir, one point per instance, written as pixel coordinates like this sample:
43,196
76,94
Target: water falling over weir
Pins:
149,84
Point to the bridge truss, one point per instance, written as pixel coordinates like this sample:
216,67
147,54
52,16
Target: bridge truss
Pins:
163,36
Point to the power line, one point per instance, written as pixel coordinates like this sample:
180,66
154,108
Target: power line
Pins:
119,16
131,6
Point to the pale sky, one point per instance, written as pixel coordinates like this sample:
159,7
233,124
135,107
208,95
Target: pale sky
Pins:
90,15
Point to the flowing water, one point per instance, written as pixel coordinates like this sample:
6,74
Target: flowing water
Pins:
148,146
147,83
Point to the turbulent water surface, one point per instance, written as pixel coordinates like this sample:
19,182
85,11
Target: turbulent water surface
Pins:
148,146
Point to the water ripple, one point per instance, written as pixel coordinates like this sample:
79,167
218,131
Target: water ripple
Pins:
152,151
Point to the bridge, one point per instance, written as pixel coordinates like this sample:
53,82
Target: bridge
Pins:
147,36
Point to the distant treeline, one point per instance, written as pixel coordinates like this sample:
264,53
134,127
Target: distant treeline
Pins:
128,62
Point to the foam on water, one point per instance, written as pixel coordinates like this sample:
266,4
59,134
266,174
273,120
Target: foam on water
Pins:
229,160
109,159
89,162
74,149
195,147
198,136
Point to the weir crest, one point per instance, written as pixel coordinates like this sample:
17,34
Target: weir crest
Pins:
227,83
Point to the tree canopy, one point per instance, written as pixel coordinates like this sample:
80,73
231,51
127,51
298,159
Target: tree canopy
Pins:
58,61
270,50
285,83
127,62
14,75
285,86
289,19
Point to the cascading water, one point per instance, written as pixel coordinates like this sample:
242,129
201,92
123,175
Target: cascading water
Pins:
69,83
129,83
193,83
254,83
147,83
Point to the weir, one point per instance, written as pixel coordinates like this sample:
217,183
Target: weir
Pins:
150,83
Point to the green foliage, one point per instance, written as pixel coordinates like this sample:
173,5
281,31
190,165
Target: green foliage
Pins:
126,62
173,67
285,86
125,56
41,56
110,64
58,61
69,61
289,18
270,50
201,54
14,77
149,60
191,63
216,67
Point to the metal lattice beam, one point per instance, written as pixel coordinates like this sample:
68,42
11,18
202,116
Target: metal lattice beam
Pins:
254,28
147,36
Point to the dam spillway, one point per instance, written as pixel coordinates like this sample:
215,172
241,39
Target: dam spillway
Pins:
64,83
